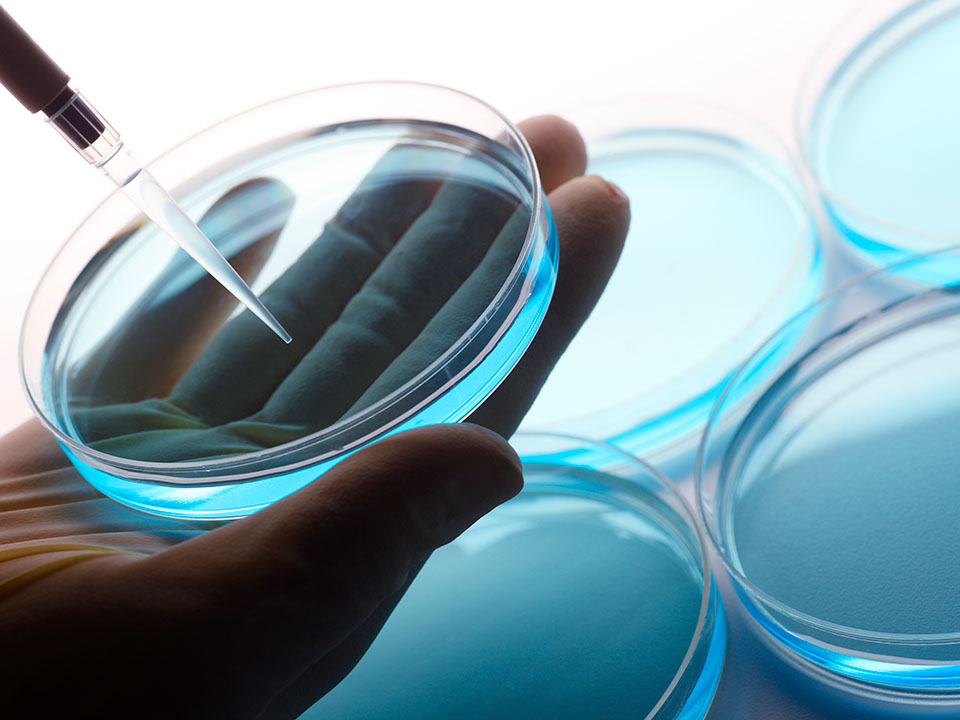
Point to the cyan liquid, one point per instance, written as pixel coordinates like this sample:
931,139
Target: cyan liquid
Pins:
719,254
560,604
845,504
883,138
377,245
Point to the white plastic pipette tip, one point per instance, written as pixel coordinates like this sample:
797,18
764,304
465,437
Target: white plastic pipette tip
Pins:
159,206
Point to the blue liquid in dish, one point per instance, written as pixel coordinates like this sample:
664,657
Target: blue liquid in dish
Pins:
378,245
563,603
883,138
843,504
721,251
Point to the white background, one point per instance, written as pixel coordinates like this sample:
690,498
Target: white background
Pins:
159,71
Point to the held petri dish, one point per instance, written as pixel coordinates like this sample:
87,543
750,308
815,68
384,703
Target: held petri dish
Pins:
877,117
722,249
830,489
587,595
398,231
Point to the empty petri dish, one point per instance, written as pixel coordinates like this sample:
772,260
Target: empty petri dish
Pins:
587,595
830,489
877,117
721,250
399,231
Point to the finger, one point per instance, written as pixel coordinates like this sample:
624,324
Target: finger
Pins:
309,296
558,148
560,156
29,449
285,586
592,217
152,347
429,263
455,318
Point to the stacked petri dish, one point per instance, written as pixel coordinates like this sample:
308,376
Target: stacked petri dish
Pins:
830,488
722,249
587,595
876,119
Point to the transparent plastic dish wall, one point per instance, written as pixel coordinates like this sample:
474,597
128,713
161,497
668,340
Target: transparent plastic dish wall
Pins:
722,250
876,118
399,231
830,488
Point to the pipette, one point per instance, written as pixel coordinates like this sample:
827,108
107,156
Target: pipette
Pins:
41,86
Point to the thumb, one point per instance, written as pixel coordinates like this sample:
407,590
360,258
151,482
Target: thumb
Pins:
285,586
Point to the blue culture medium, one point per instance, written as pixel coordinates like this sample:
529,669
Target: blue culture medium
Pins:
833,495
878,121
586,596
721,251
412,260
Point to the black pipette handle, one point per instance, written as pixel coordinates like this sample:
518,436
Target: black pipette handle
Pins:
39,83
26,70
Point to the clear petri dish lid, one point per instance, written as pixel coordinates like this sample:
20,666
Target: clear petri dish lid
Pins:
400,233
587,595
876,118
722,249
830,488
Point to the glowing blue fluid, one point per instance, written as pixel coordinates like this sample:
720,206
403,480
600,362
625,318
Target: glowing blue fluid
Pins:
721,251
142,273
560,604
846,505
883,137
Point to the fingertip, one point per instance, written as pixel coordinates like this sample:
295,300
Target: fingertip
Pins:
592,217
506,463
594,214
491,469
619,196
558,147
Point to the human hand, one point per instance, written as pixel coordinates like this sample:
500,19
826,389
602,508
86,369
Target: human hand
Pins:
106,612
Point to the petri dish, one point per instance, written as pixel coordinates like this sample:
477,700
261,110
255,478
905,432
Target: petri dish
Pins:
830,488
876,118
399,231
722,249
587,595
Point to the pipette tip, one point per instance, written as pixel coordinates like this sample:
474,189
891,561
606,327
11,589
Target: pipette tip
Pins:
254,304
284,335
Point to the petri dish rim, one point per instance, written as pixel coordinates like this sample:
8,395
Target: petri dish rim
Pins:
750,592
859,29
601,120
237,469
709,596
